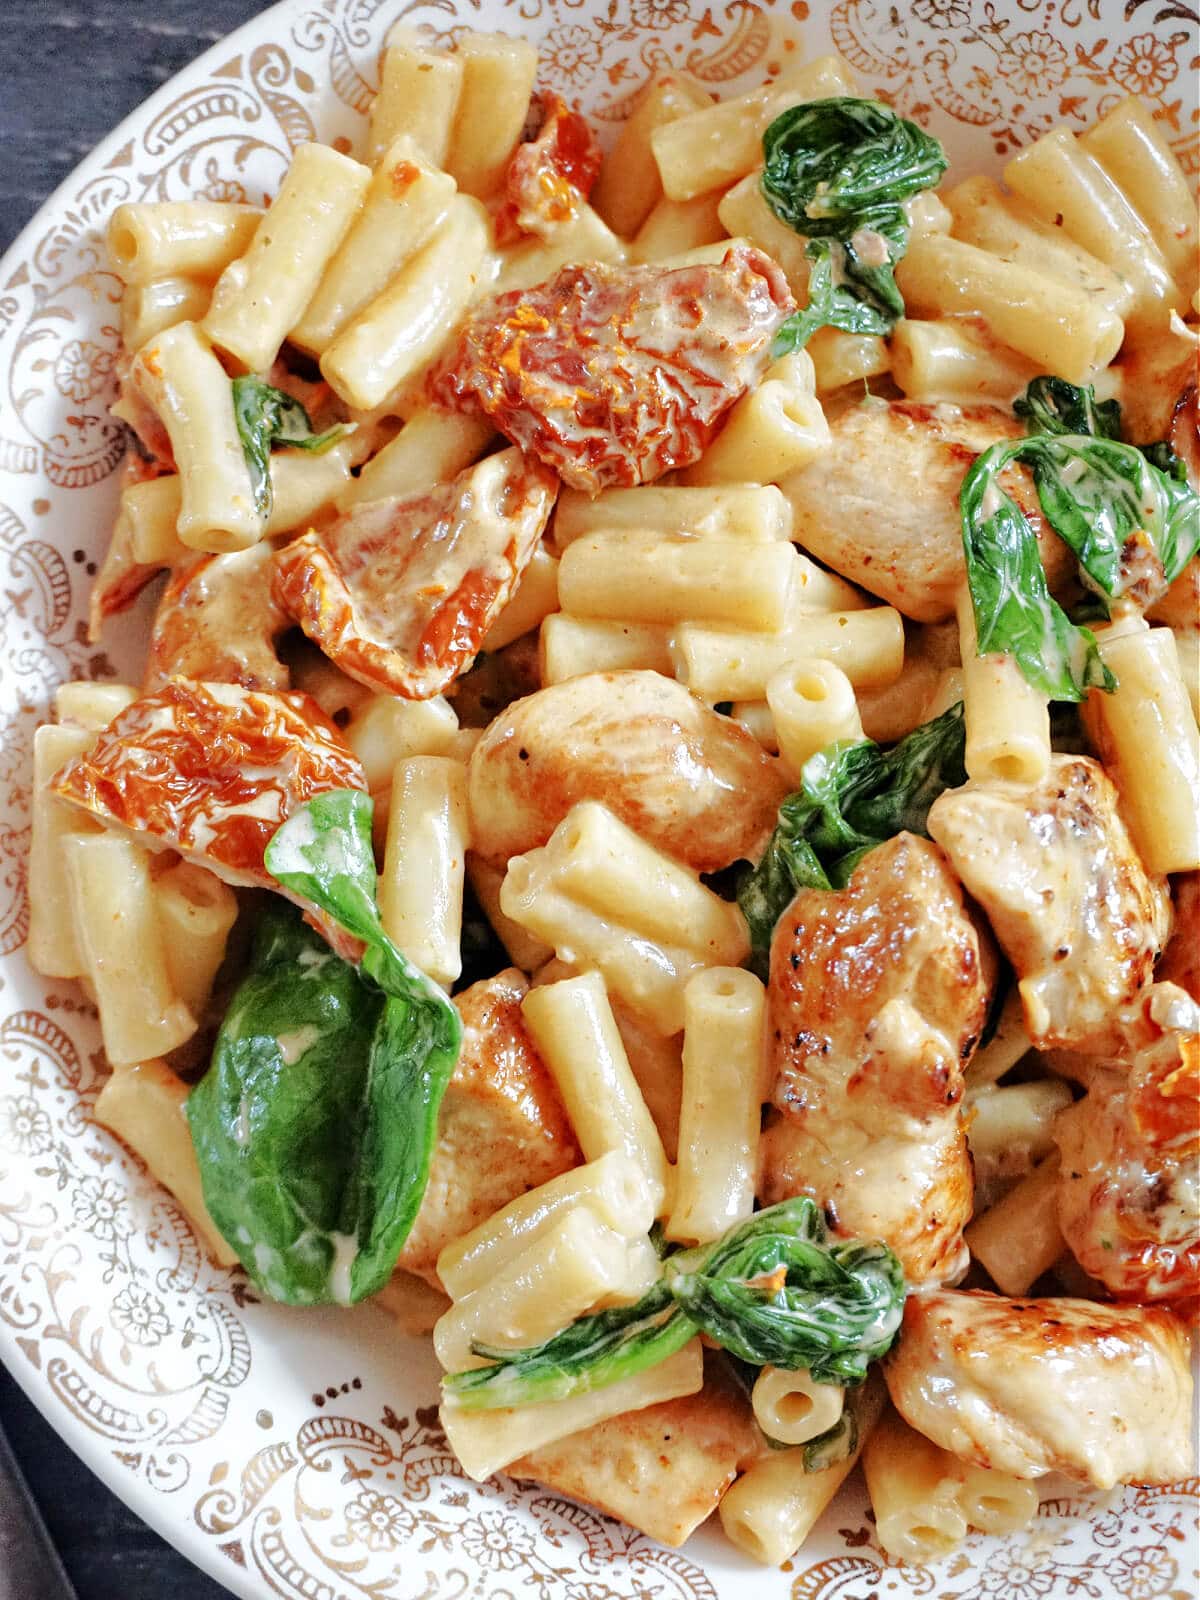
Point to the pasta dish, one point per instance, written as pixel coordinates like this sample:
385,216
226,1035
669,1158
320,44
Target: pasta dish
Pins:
658,839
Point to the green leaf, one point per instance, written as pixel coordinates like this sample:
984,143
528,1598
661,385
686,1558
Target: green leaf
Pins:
837,171
772,1289
851,798
362,1152
265,416
1052,405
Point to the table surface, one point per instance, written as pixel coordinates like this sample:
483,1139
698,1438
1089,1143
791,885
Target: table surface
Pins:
78,67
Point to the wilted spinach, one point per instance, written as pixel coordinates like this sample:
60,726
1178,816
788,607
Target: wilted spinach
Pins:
265,416
837,171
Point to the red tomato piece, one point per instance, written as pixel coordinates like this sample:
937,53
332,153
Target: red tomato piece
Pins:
550,175
615,375
400,592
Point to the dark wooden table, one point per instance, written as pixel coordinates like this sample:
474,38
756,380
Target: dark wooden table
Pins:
69,71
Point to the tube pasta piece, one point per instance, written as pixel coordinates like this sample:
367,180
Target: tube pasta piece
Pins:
151,509
191,394
552,1279
916,1493
995,1502
149,308
727,513
983,215
432,447
724,1045
143,1105
840,358
1146,735
424,866
772,1508
744,211
791,1409
1058,328
1019,1238
524,949
773,431
91,706
196,912
755,716
676,229
955,361
120,580
210,770
398,333
52,946
580,237
534,598
1010,1129
259,298
152,240
812,705
629,185
1004,1049
486,1441
405,201
112,903
502,1128
497,79
614,1187
1008,720
401,592
572,647
657,382
727,664
1062,184
623,575
1129,145
572,1024
385,729
217,622
639,744
418,95
716,145
1101,1393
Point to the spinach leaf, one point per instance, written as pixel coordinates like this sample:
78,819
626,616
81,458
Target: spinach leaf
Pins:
772,1289
851,798
351,1107
1052,405
837,171
265,416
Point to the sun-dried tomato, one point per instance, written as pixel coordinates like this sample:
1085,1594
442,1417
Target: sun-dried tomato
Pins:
550,175
217,621
615,375
400,592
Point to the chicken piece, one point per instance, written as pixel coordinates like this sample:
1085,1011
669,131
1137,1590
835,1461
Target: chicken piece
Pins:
400,592
663,1469
1129,1190
880,506
1100,1393
615,375
210,770
693,783
1069,900
217,622
549,175
878,994
502,1129
1181,959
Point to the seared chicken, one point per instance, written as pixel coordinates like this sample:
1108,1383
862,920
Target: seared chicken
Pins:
217,621
1129,1189
663,1469
691,782
877,996
1068,898
881,505
502,1128
1100,1393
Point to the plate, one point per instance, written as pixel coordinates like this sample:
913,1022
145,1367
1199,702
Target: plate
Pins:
296,1453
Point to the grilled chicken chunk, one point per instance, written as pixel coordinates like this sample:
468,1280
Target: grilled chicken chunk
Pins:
1129,1190
1068,898
877,996
881,505
217,622
687,780
663,1469
1100,1393
502,1128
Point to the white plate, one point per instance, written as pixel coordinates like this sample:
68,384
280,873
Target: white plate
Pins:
296,1453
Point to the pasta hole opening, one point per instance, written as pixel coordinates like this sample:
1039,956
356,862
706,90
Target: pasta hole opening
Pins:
747,1539
725,988
123,246
811,686
794,1408
1011,769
